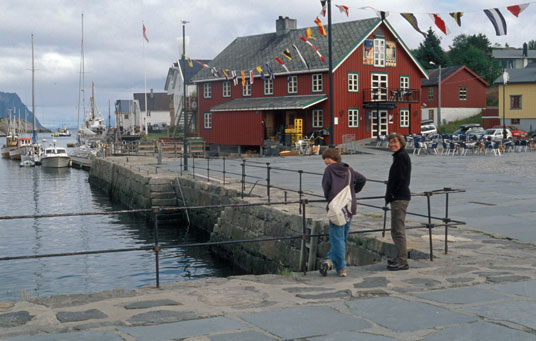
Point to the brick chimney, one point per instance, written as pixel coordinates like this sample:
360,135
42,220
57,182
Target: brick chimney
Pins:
525,48
284,25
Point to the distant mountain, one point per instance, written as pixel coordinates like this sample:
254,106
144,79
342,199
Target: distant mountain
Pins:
11,103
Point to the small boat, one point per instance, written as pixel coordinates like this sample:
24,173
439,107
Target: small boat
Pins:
62,132
11,143
55,157
27,163
24,144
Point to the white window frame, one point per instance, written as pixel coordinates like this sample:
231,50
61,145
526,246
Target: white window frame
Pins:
462,94
317,118
207,90
226,89
268,87
353,82
317,81
353,118
246,90
404,82
292,86
404,118
207,120
379,82
379,52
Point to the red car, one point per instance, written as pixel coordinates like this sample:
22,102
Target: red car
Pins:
516,133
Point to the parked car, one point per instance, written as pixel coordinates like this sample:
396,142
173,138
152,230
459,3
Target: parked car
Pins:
516,132
428,127
496,134
466,128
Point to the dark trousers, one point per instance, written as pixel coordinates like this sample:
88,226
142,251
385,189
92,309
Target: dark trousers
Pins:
398,229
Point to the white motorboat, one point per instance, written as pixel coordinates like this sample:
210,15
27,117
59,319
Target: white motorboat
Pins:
55,157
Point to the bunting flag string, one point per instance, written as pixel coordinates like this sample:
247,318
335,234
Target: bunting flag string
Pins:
286,53
413,22
343,9
440,23
457,16
497,19
314,48
301,57
282,64
259,70
380,14
270,72
309,33
517,9
321,27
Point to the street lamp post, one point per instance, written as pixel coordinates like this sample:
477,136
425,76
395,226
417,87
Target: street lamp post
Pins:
438,95
183,67
330,98
506,77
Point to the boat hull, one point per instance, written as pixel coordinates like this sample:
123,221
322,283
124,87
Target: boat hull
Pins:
55,161
5,151
16,154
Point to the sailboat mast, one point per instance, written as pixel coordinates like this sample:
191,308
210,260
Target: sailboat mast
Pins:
34,132
82,61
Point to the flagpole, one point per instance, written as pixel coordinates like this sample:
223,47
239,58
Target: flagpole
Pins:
184,125
145,84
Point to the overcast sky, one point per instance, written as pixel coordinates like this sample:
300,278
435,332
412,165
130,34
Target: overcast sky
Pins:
114,53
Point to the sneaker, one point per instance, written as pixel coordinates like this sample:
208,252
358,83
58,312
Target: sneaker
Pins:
325,266
391,261
343,273
396,267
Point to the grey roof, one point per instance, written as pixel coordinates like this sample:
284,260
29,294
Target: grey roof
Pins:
156,101
124,106
526,75
246,53
433,75
270,103
512,53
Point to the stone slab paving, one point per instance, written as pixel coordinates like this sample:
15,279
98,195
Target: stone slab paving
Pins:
466,295
480,331
348,336
519,312
301,322
82,336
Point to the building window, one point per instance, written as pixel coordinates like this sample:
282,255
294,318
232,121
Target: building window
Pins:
515,121
268,86
148,114
515,102
126,116
207,90
379,84
226,89
430,93
207,120
246,89
379,52
353,82
353,118
404,118
318,85
404,82
462,93
318,118
292,85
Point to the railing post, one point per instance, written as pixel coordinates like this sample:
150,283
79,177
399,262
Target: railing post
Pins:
428,194
268,180
303,238
193,166
243,178
156,246
224,171
180,163
300,192
208,168
446,222
159,153
384,219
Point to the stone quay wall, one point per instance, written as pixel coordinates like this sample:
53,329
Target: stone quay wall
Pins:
137,189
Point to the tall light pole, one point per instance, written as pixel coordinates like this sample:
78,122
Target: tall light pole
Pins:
330,61
506,78
438,95
183,67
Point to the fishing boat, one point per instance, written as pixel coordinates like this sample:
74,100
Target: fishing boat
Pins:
12,140
93,120
24,144
55,157
62,132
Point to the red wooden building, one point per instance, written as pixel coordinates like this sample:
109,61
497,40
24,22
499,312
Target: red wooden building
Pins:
376,84
463,94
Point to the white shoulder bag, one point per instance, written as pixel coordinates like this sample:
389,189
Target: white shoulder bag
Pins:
343,199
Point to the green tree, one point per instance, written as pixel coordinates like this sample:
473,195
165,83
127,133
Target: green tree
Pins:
430,51
474,51
532,45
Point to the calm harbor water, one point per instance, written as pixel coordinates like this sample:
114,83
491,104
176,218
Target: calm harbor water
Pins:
37,190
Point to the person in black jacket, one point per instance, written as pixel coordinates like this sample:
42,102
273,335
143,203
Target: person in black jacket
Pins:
398,195
336,177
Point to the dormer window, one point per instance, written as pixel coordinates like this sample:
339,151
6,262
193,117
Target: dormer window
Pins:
379,52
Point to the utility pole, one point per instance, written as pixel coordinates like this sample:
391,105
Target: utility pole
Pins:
183,67
330,97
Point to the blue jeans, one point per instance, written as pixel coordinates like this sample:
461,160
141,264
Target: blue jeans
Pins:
337,239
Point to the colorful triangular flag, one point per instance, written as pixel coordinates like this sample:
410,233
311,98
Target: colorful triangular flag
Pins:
235,79
145,33
497,19
342,9
259,70
457,16
517,9
314,48
282,64
270,72
251,77
190,64
321,27
286,53
440,23
243,74
324,8
309,33
300,55
413,22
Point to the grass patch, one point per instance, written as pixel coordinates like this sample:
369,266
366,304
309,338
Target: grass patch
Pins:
373,215
284,272
450,127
